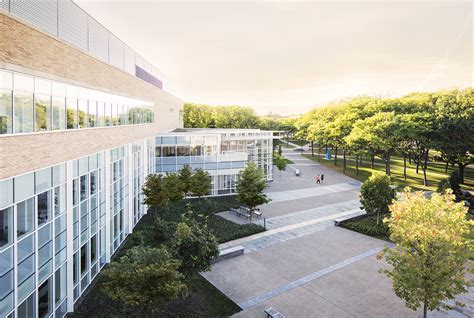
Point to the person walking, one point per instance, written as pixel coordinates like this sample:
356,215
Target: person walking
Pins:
322,178
318,179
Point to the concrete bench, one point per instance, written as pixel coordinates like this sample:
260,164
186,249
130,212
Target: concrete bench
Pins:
272,313
338,221
297,172
229,253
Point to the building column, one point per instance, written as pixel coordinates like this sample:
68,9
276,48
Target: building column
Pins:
69,236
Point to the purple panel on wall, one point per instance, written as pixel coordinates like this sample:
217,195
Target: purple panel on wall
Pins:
144,75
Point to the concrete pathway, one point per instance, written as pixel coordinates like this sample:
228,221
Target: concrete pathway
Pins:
304,266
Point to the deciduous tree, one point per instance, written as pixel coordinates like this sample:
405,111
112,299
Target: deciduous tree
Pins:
146,278
430,258
250,186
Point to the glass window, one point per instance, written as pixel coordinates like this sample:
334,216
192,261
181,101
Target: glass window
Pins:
6,227
6,112
169,151
59,113
42,112
25,217
44,207
45,254
183,151
45,295
108,114
27,308
23,112
6,80
93,249
43,179
75,191
92,113
6,190
26,247
83,113
93,179
59,174
26,269
59,199
71,107
23,83
60,284
124,117
100,114
75,267
6,286
84,191
45,234
83,259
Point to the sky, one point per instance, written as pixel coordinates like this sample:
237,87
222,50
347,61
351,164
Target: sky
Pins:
287,57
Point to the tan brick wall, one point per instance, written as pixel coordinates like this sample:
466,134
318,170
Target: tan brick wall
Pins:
25,49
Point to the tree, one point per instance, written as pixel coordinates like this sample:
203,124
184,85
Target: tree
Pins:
280,163
250,186
279,150
200,183
194,245
173,188
146,278
185,175
454,114
152,189
376,194
430,259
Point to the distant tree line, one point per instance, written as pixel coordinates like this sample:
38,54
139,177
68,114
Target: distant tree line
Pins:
206,116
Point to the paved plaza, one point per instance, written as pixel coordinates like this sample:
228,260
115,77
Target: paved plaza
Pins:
304,266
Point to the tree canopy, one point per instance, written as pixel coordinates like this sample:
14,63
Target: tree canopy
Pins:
430,258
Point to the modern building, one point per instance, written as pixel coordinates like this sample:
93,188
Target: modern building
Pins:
221,152
79,112
83,120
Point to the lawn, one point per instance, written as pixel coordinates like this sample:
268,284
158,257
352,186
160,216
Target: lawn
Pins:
434,172
203,300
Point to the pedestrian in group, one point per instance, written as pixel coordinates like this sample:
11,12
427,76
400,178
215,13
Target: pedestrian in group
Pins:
322,177
318,179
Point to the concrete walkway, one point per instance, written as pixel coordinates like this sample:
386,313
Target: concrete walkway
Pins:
304,266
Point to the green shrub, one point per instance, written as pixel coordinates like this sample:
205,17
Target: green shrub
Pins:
367,225
443,185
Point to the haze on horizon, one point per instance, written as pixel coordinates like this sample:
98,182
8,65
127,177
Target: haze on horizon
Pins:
286,57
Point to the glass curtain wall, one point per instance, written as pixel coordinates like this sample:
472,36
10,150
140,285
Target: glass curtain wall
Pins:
31,104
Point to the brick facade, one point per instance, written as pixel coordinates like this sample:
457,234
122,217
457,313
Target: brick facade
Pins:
27,50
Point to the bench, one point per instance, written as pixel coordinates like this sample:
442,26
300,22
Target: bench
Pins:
272,313
247,210
240,212
229,253
297,172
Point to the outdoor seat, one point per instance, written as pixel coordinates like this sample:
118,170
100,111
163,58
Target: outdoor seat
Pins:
272,313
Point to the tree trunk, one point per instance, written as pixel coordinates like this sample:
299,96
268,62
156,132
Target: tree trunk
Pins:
312,149
319,152
425,309
461,171
446,168
405,166
409,159
344,169
425,164
361,158
357,164
372,162
335,156
387,165
417,164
